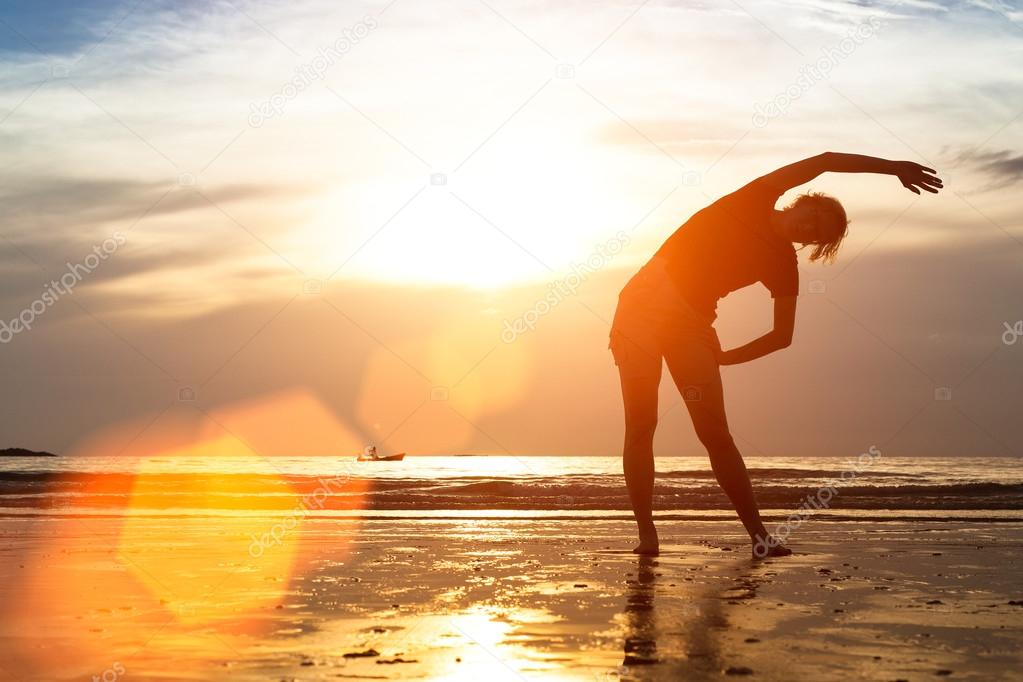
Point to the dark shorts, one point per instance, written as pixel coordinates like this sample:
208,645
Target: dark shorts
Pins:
653,321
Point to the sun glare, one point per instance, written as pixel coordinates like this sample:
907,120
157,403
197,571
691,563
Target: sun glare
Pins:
471,229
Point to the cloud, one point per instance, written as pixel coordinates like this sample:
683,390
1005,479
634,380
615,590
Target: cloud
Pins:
41,210
23,280
54,221
1005,166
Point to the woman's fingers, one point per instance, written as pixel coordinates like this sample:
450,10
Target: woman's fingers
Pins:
914,181
931,183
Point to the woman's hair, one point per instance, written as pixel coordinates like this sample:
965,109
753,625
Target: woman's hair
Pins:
832,217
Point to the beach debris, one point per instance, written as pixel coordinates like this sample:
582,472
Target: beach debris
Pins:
738,670
943,672
639,651
368,653
1016,602
580,585
935,601
751,640
631,659
397,659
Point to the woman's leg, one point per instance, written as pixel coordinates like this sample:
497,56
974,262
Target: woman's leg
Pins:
639,394
694,369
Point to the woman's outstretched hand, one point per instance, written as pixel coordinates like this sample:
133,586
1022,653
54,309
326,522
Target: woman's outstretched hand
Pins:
913,176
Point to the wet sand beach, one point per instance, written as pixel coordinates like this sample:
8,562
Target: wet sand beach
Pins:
157,598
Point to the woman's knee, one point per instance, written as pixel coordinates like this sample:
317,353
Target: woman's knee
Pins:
640,434
716,439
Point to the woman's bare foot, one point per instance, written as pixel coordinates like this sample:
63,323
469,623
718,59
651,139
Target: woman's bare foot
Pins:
648,543
770,547
647,548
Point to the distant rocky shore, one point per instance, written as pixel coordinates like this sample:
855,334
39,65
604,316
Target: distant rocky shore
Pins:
22,452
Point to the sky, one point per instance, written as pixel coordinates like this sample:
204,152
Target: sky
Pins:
300,228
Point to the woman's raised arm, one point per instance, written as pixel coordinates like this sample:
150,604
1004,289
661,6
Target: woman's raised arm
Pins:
912,175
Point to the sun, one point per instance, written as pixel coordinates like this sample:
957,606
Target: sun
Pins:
523,217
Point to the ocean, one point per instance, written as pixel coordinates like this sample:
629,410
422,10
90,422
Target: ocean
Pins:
865,487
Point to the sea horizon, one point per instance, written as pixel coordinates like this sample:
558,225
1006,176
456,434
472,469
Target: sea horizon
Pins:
499,486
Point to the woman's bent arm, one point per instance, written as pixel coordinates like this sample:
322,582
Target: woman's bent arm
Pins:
776,339
757,348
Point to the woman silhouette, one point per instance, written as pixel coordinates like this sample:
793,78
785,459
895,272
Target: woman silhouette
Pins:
668,308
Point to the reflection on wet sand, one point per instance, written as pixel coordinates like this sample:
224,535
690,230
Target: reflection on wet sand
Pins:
672,623
677,619
489,599
641,633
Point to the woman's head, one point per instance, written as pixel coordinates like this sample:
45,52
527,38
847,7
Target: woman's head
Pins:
818,219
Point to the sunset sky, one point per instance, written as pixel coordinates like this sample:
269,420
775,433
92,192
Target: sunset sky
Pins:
321,218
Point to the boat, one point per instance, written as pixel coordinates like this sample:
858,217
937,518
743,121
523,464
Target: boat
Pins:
385,458
369,454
